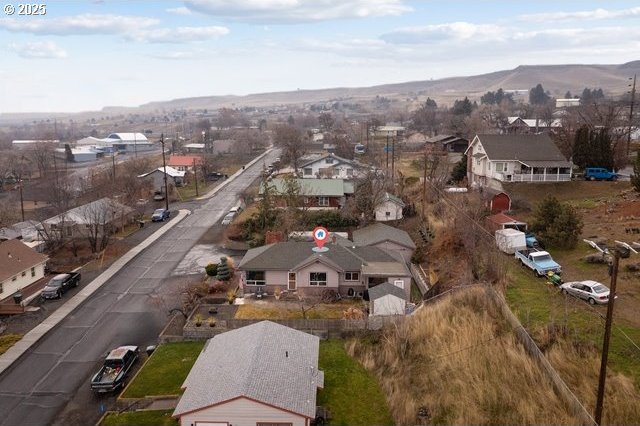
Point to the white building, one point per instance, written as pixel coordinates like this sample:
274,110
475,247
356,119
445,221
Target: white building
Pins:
124,143
387,299
390,208
331,166
20,267
30,143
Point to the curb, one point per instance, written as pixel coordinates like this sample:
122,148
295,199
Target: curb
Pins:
39,331
233,176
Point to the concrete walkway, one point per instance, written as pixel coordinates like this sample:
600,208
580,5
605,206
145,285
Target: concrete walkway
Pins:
52,320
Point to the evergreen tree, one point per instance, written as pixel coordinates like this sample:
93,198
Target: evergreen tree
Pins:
537,95
556,223
459,171
224,270
582,147
463,107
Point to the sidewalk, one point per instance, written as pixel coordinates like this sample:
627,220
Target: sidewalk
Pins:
56,317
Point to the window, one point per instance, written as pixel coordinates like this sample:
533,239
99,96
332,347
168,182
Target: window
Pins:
349,172
387,214
399,283
501,167
352,276
24,273
317,278
323,201
14,278
33,272
329,160
256,278
308,171
477,162
336,172
1,289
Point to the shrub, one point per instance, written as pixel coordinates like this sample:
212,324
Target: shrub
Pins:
224,270
557,223
211,269
329,219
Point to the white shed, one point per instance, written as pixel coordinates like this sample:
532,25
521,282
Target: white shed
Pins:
387,299
390,208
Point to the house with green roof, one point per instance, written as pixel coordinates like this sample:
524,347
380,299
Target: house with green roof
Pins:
313,194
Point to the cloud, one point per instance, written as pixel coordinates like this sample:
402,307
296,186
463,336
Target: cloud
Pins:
179,10
295,11
455,31
133,28
178,35
587,15
174,56
83,24
39,50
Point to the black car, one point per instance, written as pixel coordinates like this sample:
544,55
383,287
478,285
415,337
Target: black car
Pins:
213,176
59,284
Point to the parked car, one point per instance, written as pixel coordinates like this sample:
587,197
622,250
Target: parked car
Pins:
214,176
158,196
114,371
228,218
591,291
160,215
59,285
237,209
599,173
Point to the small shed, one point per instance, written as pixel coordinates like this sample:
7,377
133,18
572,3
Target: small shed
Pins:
500,202
387,299
503,221
390,208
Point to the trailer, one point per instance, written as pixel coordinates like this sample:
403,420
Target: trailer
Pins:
510,240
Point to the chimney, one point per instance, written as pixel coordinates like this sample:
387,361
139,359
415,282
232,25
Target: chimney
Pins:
286,354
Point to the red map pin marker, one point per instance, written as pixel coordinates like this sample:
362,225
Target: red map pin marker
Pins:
320,236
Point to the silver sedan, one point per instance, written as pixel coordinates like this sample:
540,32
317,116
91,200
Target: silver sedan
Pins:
591,291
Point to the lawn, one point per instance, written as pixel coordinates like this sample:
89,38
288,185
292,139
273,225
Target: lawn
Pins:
8,340
188,191
140,418
539,305
165,371
351,394
292,310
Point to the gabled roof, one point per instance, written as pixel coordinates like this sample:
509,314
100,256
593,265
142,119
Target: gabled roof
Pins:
9,234
379,232
501,219
314,187
184,160
99,211
446,139
16,257
170,172
126,137
521,148
287,255
266,362
337,160
393,199
385,289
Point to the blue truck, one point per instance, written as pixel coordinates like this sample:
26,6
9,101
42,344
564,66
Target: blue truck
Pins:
540,262
599,173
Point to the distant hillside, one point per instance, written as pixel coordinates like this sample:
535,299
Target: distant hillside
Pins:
557,79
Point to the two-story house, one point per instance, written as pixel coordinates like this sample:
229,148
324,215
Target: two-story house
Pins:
493,159
332,166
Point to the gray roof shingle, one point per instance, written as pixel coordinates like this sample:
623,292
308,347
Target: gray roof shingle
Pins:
379,232
267,362
384,289
522,147
286,255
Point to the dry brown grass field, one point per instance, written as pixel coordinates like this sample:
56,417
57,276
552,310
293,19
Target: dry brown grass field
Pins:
461,360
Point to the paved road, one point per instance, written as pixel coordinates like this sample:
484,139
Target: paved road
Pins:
124,311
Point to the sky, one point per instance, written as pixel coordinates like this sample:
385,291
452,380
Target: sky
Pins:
80,55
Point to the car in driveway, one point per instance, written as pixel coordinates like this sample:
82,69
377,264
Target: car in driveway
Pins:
228,218
160,215
591,291
59,284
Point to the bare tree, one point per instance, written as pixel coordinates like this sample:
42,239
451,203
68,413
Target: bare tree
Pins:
42,156
99,219
370,190
291,140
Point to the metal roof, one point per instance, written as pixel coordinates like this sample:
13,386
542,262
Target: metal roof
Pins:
522,148
385,289
312,187
266,362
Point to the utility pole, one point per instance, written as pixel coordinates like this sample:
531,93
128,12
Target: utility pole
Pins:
195,176
113,163
135,144
21,200
386,149
424,185
164,165
633,98
618,252
393,161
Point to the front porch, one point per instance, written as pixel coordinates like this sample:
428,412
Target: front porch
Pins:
536,174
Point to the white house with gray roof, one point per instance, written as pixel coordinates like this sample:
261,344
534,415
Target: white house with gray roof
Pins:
332,166
387,299
389,208
261,374
493,159
348,270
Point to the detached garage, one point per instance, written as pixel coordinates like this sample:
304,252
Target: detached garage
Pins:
387,299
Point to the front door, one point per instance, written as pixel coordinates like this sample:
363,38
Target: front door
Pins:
292,281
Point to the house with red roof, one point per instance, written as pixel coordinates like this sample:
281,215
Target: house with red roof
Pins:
184,163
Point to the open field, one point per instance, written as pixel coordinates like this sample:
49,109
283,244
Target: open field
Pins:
165,371
459,359
351,394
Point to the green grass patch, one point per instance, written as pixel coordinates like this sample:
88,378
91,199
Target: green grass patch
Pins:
140,418
8,340
165,371
351,394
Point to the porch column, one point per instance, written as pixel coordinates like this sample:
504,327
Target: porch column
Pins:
558,175
531,175
544,174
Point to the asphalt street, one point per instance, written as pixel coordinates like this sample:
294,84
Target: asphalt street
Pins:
57,369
